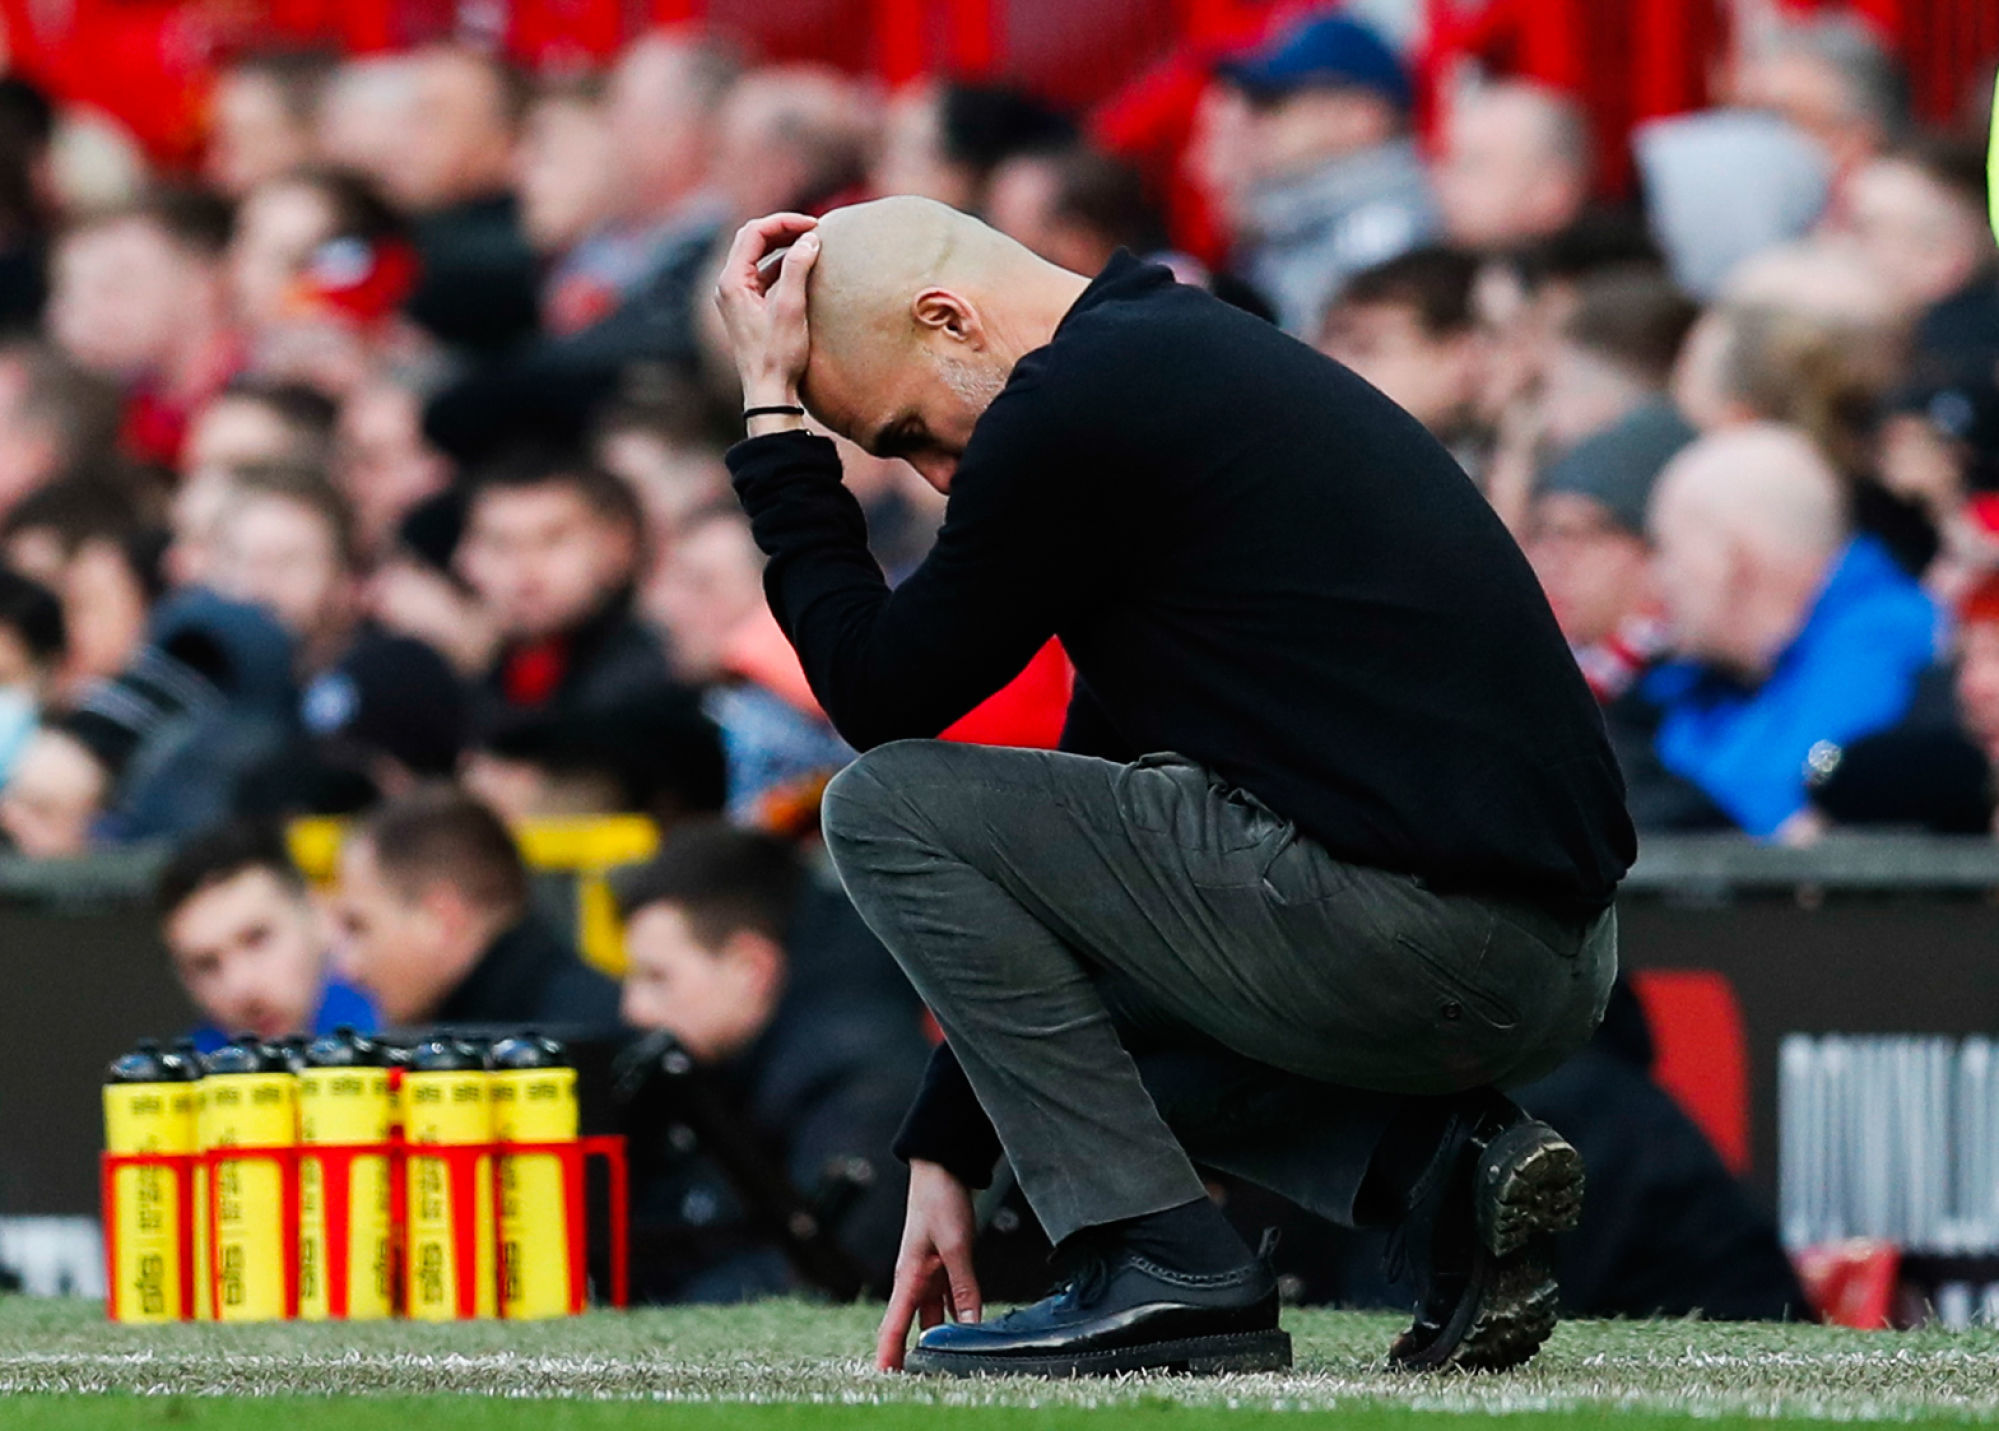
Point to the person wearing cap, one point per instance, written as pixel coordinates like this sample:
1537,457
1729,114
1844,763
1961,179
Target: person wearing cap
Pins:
1586,540
1336,182
765,976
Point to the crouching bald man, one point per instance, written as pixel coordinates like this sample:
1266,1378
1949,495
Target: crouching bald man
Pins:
1370,883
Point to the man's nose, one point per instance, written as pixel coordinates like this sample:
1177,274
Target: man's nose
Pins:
936,469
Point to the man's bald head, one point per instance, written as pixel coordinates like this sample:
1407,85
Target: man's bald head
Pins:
1747,524
1762,484
917,314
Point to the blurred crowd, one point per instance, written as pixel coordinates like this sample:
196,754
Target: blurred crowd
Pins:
386,448
375,469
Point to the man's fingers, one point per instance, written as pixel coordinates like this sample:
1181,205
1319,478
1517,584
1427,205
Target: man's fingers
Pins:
964,1283
757,238
787,294
894,1335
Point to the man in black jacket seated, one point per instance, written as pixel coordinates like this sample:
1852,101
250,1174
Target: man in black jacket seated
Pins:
1378,862
771,984
432,919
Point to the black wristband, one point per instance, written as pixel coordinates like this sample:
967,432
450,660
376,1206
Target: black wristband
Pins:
775,410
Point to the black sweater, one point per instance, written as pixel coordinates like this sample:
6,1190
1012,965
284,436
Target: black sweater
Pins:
1254,559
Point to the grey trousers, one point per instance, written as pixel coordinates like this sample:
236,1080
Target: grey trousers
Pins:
1059,913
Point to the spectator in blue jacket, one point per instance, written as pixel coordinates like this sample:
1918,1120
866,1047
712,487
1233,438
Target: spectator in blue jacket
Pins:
247,940
1793,636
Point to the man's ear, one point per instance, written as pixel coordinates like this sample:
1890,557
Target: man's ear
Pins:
945,312
447,917
761,956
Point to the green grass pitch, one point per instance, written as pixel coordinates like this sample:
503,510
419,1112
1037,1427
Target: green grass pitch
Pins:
779,1366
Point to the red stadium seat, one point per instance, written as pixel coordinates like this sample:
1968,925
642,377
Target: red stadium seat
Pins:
1701,1053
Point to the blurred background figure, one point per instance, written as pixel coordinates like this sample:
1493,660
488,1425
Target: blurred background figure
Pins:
1407,326
1518,164
944,141
248,941
140,296
434,924
730,953
263,118
1335,180
363,413
1790,631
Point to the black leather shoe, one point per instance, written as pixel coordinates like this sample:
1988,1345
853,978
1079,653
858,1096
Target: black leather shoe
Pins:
1120,1313
1502,1185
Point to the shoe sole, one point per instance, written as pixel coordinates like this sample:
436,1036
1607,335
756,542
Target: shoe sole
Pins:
1192,1356
1528,1186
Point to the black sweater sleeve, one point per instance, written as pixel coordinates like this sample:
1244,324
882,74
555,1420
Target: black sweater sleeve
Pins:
947,1126
887,665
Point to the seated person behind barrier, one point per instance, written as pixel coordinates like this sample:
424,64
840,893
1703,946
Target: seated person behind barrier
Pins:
1795,636
724,928
434,923
247,941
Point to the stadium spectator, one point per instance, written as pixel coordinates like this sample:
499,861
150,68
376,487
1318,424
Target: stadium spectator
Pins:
704,589
434,923
1614,351
1722,185
1335,180
285,543
564,170
54,419
382,462
156,749
1517,165
763,978
53,797
944,141
552,547
1075,207
453,172
248,940
1830,77
1817,286
1586,539
1790,631
31,650
1921,219
666,446
85,539
1610,350
790,137
252,422
706,596
417,591
1977,677
261,118
625,295
285,223
1407,326
140,296
365,113
389,716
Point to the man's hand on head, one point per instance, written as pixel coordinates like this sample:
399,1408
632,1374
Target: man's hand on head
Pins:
761,295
